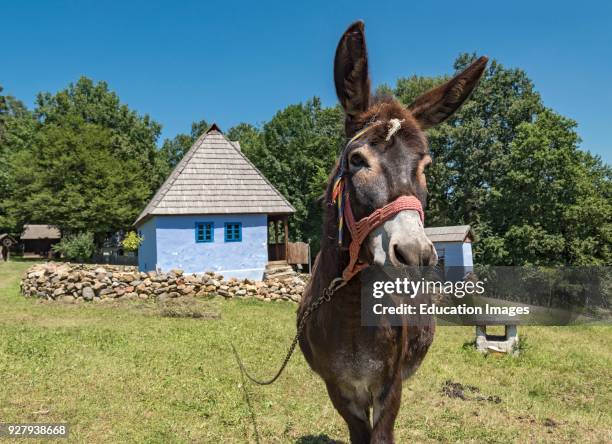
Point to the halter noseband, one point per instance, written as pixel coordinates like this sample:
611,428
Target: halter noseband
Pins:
360,230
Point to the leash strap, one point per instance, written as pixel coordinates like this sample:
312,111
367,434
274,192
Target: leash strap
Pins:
325,296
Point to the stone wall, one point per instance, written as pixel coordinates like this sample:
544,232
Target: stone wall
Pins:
80,282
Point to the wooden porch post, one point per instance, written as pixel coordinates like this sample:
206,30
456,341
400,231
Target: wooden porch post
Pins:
276,246
286,223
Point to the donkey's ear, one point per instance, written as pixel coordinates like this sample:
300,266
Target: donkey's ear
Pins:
351,72
438,104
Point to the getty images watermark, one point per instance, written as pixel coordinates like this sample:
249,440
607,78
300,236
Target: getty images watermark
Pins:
405,287
486,295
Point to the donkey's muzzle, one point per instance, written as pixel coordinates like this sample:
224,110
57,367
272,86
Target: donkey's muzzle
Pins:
401,241
415,252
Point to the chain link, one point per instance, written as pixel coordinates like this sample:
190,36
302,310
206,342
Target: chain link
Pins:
325,296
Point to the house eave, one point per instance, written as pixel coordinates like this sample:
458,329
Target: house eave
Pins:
148,216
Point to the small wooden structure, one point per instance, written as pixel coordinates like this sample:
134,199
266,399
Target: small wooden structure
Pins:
37,240
453,245
6,243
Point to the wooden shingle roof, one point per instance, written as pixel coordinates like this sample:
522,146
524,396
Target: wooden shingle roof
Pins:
457,233
214,177
32,232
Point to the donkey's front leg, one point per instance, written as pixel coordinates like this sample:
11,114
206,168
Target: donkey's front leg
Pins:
356,417
386,408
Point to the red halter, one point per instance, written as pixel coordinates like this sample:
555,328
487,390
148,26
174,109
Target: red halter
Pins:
361,229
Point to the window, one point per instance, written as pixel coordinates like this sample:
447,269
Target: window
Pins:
233,232
204,231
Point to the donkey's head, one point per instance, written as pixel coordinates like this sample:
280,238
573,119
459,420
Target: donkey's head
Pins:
390,161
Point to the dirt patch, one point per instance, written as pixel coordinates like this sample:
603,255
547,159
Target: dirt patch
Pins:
550,422
453,390
187,308
466,392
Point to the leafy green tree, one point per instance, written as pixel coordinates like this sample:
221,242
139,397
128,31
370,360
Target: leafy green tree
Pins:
250,139
3,112
17,127
554,203
504,163
71,177
81,159
132,137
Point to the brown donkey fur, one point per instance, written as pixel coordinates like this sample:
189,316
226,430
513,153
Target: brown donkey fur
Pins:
363,367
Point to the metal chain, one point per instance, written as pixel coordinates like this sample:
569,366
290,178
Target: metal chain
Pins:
325,296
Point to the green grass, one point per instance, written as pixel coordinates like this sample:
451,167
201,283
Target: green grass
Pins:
127,374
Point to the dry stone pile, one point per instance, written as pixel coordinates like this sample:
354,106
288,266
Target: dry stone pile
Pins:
81,282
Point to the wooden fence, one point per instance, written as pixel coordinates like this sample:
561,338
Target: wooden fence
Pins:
297,253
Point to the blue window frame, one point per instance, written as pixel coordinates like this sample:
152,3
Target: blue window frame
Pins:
233,232
204,232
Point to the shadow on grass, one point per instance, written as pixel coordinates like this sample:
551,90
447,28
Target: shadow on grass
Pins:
316,439
469,345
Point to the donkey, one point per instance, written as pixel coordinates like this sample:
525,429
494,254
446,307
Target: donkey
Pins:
384,160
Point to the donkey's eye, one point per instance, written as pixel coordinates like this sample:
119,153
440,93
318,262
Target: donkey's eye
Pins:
357,160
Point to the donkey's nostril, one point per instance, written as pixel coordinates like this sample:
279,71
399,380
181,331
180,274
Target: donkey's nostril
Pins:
413,253
399,256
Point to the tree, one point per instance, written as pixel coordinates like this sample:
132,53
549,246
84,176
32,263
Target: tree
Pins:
132,137
81,159
17,126
132,241
504,164
72,177
250,139
554,204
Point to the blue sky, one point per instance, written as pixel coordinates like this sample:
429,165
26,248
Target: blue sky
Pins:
230,62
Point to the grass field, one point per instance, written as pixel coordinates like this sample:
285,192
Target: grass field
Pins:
127,374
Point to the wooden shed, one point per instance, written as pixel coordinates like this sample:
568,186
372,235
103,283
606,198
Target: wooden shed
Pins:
37,240
454,247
